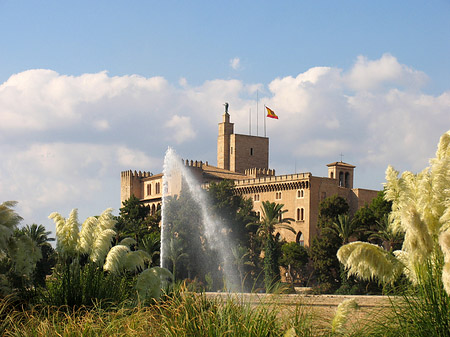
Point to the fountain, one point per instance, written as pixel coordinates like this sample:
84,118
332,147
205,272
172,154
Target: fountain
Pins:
178,177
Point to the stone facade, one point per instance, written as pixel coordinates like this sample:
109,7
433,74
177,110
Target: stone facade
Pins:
244,159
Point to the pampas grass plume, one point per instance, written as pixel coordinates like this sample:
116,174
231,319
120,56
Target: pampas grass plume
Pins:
102,245
86,238
369,261
127,242
341,315
115,258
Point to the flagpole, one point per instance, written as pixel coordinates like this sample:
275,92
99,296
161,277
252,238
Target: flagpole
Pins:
264,116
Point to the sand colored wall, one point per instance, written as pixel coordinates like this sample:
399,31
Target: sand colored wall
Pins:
130,184
223,142
285,190
248,152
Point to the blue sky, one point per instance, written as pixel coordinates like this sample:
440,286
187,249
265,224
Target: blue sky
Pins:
88,89
196,39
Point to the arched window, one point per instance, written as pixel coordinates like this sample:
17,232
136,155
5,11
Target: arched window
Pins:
300,194
331,175
298,214
341,179
149,189
157,188
278,237
347,179
153,209
300,239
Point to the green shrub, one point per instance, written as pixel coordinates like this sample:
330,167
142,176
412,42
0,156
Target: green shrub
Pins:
76,285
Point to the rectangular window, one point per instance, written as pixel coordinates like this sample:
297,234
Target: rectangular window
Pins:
149,189
251,151
278,195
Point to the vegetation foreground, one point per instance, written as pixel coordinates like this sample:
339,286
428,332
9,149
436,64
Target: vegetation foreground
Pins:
191,314
184,314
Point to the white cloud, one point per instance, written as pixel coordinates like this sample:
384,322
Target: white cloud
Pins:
42,99
235,63
101,124
181,128
70,136
371,75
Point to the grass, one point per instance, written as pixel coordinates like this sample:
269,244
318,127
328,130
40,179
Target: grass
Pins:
181,314
422,313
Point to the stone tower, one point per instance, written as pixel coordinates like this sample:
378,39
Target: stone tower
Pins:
131,184
238,153
343,172
226,129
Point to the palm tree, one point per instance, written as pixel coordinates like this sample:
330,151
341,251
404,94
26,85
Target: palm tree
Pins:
272,219
18,253
240,255
38,234
386,235
9,220
151,244
344,228
175,254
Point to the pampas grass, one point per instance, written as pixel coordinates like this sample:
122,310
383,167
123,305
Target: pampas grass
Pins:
102,245
369,262
341,315
90,268
114,259
420,209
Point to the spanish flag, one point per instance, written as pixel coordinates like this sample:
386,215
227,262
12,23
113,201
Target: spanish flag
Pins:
270,113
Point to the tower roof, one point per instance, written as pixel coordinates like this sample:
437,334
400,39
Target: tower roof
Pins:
340,163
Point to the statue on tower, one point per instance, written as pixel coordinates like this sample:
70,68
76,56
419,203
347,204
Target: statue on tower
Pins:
226,107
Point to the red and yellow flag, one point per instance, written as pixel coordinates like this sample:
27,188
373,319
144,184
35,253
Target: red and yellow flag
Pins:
271,114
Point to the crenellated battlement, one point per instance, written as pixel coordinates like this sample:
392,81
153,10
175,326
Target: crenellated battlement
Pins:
135,174
192,163
259,172
273,179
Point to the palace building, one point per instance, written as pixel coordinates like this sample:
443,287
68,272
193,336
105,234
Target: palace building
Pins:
245,160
